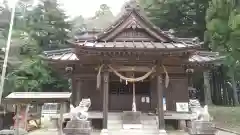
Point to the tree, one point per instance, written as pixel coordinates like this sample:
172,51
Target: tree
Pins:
102,19
47,25
32,35
223,25
185,17
78,25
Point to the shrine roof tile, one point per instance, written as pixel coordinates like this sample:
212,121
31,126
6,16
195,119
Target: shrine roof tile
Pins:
198,57
137,45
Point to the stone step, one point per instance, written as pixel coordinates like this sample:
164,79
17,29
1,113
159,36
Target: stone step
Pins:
115,116
146,117
114,121
147,127
149,122
113,127
133,132
114,124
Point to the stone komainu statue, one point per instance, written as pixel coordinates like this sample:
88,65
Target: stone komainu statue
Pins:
202,113
80,112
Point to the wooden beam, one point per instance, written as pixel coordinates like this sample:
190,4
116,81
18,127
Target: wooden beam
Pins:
131,68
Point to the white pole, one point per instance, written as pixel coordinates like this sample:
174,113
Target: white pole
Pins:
4,67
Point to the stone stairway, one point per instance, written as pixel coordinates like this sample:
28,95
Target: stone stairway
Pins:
114,122
149,126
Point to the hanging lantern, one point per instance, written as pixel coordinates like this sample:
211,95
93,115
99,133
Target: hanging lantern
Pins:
189,70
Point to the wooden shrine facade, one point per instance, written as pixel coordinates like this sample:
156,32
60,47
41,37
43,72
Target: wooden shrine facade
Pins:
131,61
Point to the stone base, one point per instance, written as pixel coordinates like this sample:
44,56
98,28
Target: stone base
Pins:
202,128
13,132
162,132
78,127
104,132
182,125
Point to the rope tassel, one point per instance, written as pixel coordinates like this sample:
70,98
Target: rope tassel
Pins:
99,79
166,76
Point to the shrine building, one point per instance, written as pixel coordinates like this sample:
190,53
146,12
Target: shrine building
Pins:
134,66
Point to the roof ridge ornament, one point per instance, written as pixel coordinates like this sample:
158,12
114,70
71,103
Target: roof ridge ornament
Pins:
132,5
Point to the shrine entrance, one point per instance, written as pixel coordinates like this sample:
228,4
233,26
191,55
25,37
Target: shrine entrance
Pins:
121,94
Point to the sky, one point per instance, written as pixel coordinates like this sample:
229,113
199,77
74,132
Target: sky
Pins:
87,8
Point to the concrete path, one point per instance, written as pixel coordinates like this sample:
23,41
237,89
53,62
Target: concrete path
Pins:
225,133
47,132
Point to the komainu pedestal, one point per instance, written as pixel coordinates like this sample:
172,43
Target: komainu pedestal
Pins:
78,127
79,124
202,125
202,128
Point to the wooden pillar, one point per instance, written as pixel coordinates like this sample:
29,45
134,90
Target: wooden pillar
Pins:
191,90
78,91
72,82
17,118
61,119
207,88
161,122
105,102
190,77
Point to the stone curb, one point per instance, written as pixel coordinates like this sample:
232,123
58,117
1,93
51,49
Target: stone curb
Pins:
227,130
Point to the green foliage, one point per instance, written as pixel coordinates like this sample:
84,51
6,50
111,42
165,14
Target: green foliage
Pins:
223,35
47,25
30,76
36,28
223,30
185,17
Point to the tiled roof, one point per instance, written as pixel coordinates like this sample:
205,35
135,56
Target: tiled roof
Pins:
204,56
68,54
62,54
37,97
138,45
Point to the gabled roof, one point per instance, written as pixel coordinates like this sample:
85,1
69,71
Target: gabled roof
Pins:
133,17
133,30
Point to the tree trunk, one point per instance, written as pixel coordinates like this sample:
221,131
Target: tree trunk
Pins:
225,92
207,88
234,88
214,87
218,89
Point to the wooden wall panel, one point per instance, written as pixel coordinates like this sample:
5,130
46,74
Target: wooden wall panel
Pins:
177,91
89,91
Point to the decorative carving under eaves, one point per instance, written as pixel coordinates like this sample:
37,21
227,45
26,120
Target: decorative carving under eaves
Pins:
133,34
133,24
